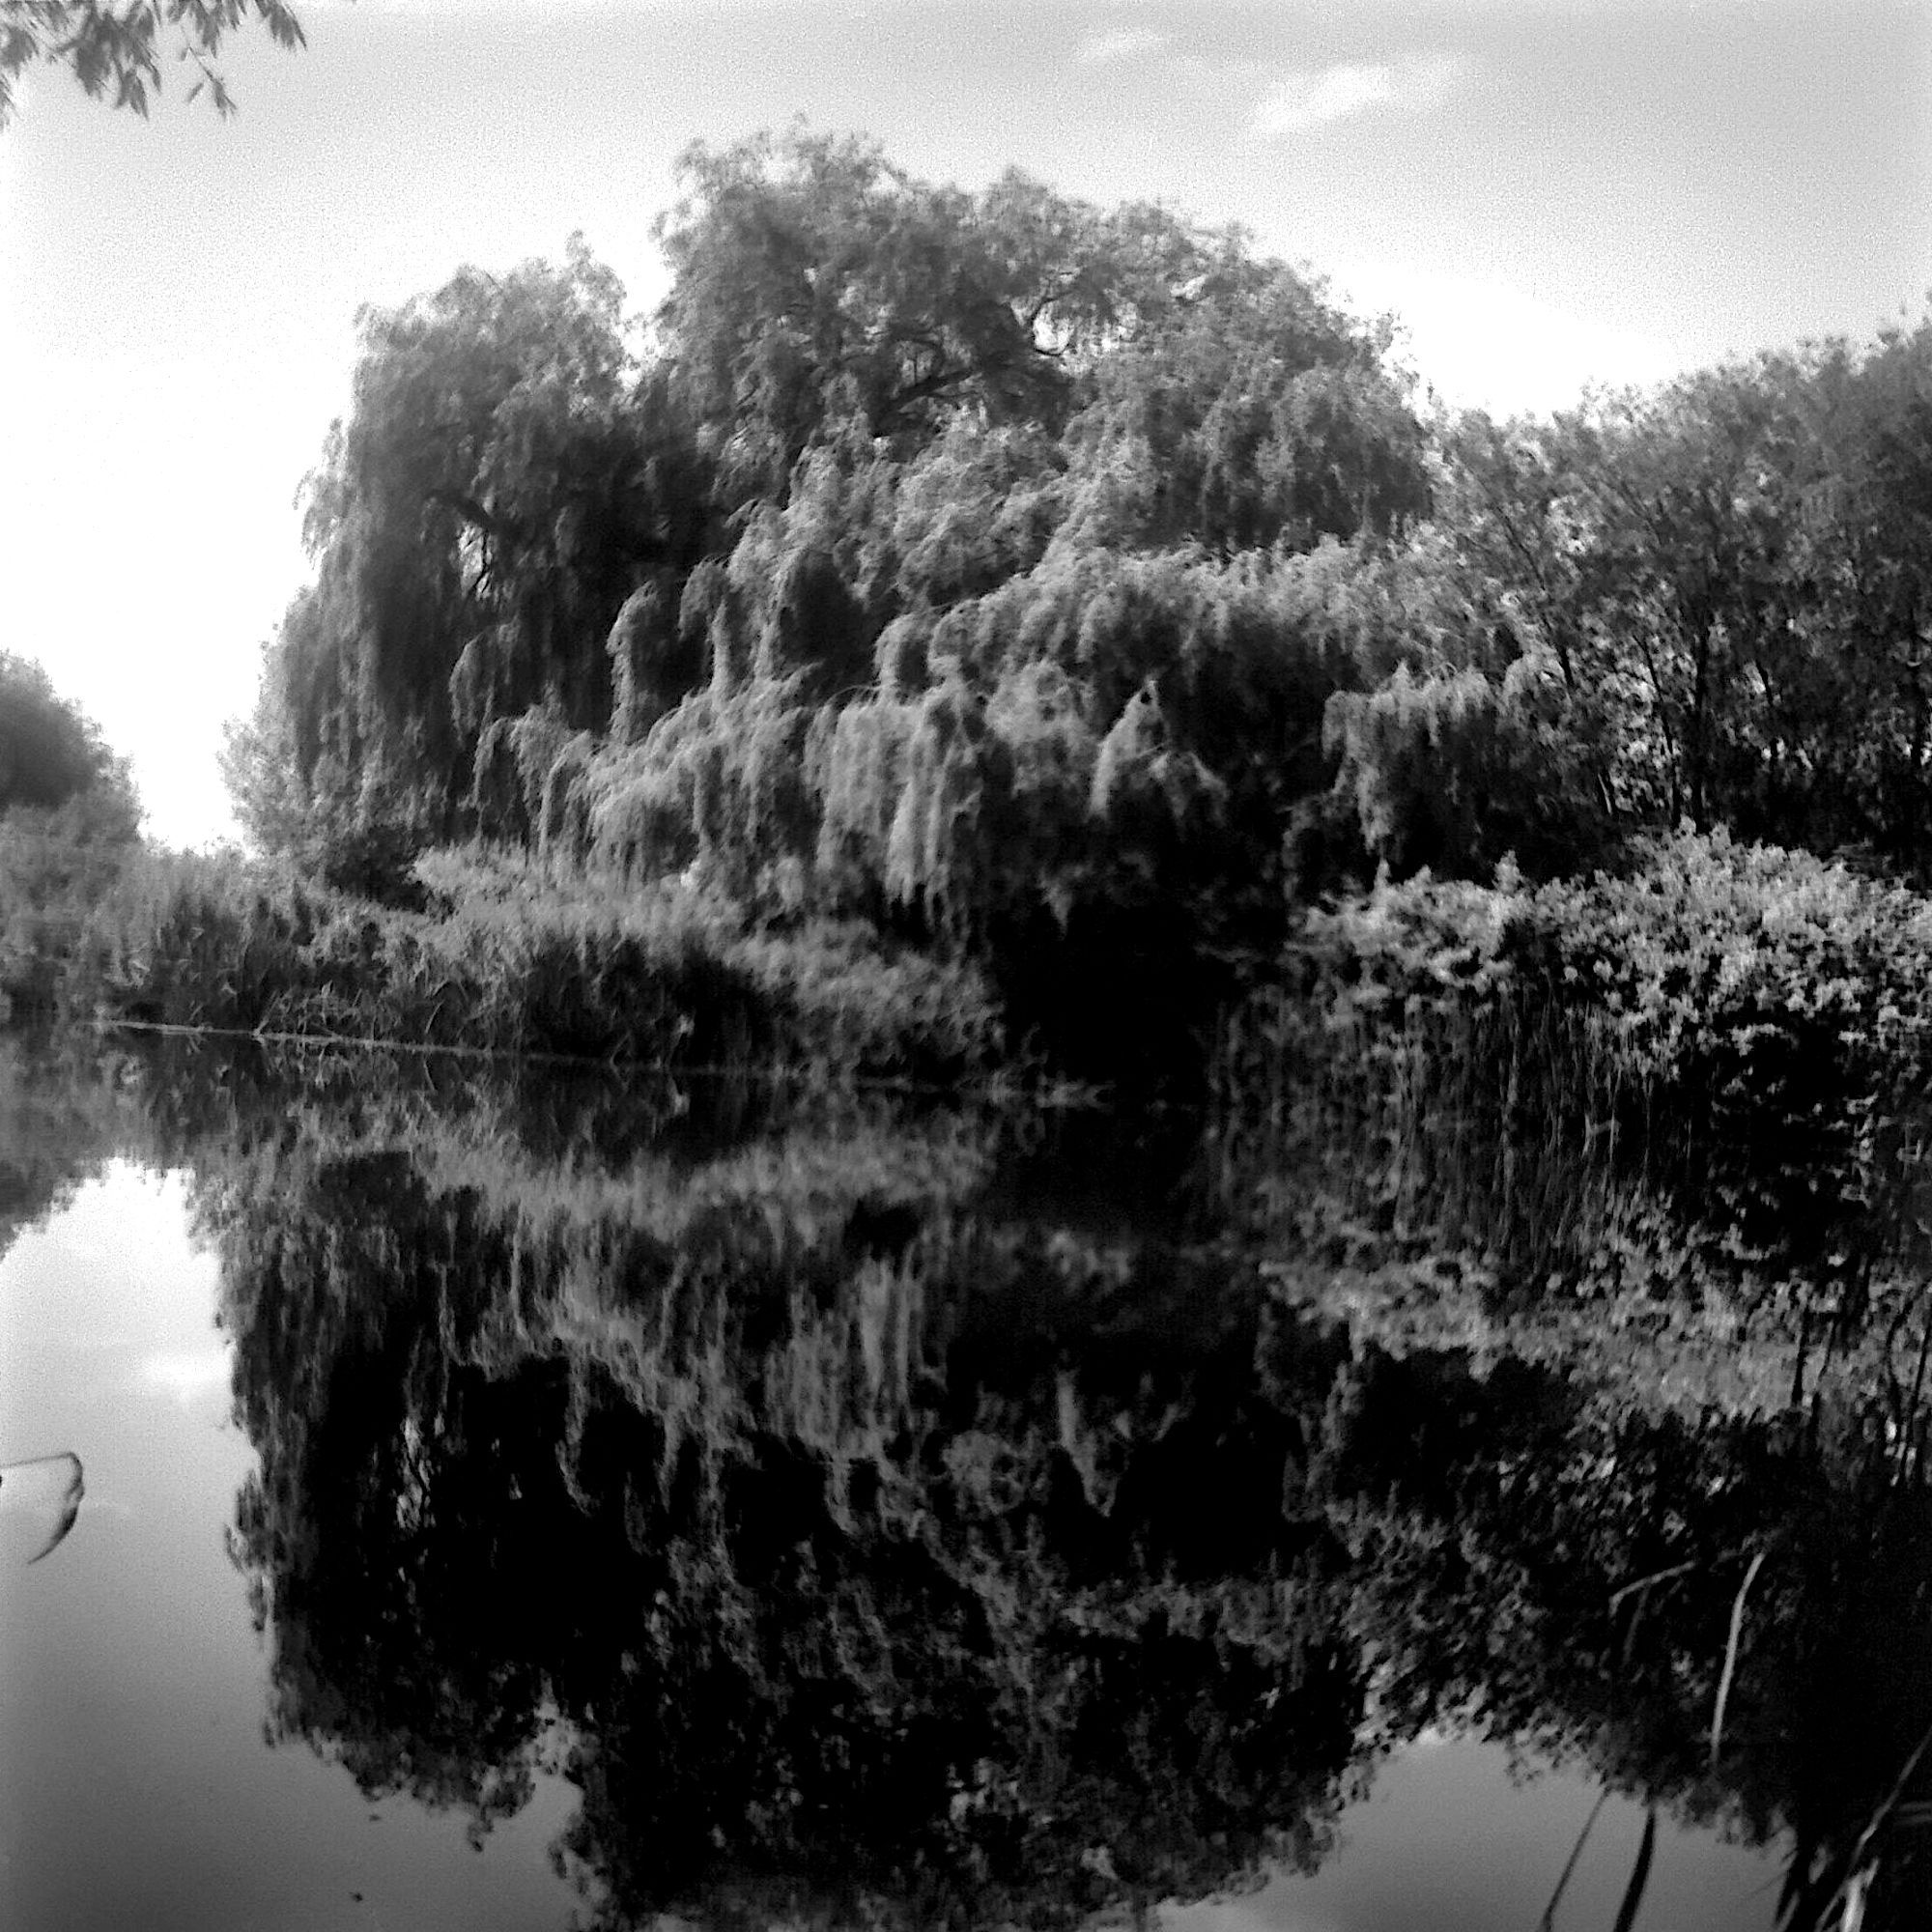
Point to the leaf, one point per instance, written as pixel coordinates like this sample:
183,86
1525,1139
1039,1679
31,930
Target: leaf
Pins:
47,1494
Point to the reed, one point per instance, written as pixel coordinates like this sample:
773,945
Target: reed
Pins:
527,957
1844,1885
1639,1878
1708,1081
1496,1131
1729,1671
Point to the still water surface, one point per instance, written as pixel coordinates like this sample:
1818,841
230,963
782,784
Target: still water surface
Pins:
520,1513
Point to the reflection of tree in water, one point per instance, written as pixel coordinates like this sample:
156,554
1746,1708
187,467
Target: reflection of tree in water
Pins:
792,1533
1733,1268
55,1131
849,1545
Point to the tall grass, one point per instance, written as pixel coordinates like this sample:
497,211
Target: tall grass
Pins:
516,956
1710,1072
1491,1129
55,866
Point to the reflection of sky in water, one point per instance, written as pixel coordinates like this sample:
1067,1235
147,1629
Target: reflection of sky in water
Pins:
1450,1839
136,1790
136,1794
185,1377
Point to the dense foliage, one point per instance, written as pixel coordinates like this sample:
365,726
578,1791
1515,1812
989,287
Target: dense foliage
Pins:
1526,1077
1069,588
507,961
67,822
977,565
51,752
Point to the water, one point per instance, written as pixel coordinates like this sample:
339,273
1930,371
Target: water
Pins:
135,1785
573,1507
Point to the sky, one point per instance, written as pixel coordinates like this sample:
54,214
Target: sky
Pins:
1547,194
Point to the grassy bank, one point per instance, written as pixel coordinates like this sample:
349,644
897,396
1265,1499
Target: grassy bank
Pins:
1714,1013
508,956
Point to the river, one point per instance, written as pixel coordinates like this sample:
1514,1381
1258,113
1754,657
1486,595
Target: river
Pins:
566,1504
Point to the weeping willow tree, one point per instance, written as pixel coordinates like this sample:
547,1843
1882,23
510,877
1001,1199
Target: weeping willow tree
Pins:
506,479
985,562
963,561
1459,771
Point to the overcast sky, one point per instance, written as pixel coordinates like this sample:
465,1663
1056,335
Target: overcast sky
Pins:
1546,193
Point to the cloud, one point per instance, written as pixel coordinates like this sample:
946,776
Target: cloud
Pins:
1121,44
1317,97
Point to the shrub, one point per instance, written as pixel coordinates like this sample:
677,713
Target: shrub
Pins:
55,865
1457,770
525,956
1744,1031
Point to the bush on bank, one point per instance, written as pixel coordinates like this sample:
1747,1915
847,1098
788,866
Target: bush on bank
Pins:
1741,1033
1696,954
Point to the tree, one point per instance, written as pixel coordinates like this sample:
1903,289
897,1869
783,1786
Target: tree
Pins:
1256,413
503,482
1730,574
820,290
1646,542
1861,550
49,752
271,787
118,52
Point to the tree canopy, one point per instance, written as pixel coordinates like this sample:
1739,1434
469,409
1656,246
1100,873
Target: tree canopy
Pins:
1070,586
50,752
